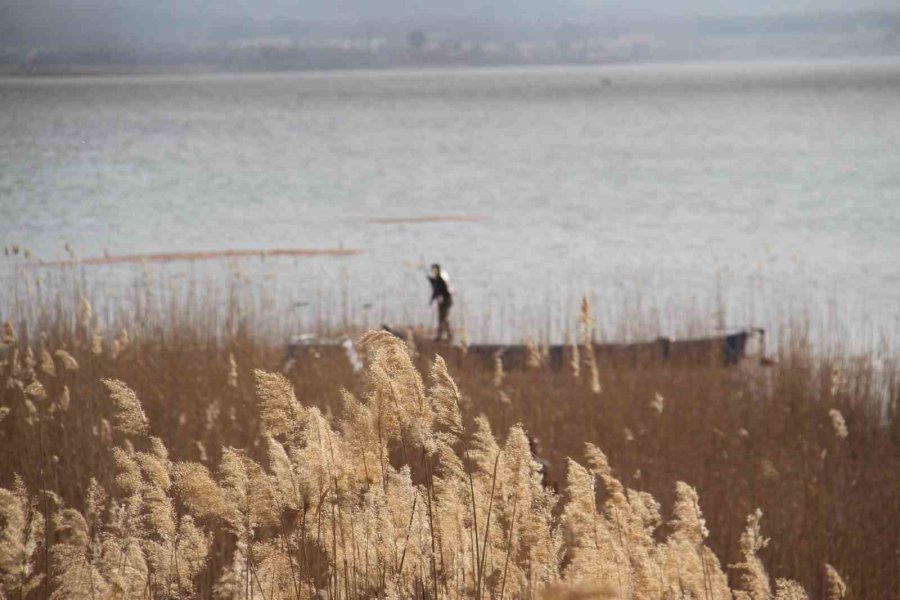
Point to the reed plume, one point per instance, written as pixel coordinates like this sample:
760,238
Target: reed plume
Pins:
444,397
67,360
232,380
279,409
75,574
129,417
838,425
690,566
21,541
586,323
195,487
785,589
395,392
835,588
753,581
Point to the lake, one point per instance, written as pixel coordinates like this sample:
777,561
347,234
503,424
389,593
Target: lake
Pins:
764,188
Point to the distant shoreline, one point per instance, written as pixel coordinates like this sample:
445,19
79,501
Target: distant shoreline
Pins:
39,71
105,70
138,70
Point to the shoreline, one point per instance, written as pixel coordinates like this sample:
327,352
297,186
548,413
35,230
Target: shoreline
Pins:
103,71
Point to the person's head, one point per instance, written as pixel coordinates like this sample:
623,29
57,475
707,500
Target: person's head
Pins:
435,269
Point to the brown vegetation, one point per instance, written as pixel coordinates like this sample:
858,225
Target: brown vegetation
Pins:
175,461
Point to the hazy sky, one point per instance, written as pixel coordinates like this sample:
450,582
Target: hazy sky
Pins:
501,9
85,23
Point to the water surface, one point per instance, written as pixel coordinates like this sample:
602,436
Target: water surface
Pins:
771,186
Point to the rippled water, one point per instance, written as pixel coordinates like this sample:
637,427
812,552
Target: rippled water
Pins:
770,186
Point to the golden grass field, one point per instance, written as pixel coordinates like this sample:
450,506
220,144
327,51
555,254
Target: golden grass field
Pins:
166,455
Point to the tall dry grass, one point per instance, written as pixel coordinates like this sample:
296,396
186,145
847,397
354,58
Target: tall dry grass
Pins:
165,456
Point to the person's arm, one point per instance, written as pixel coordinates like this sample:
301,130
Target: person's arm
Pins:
434,293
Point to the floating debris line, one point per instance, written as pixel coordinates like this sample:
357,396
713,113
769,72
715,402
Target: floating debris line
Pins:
116,259
425,219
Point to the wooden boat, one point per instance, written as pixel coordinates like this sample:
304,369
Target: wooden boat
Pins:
725,349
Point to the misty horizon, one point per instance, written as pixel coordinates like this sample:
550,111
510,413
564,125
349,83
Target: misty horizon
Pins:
91,35
110,22
17,12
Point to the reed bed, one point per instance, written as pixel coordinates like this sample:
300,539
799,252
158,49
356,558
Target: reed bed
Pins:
175,455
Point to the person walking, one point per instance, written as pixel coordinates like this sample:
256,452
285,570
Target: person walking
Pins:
440,291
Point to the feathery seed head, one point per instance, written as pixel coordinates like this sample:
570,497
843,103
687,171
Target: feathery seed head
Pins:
232,380
483,446
444,397
196,488
21,538
159,514
103,431
28,363
753,580
838,424
838,381
534,358
593,372
687,520
68,362
129,417
128,473
597,461
499,374
247,490
645,507
284,482
47,364
785,589
97,340
574,359
192,550
155,469
64,399
395,390
835,588
159,448
35,391
95,502
280,411
85,313
586,318
71,528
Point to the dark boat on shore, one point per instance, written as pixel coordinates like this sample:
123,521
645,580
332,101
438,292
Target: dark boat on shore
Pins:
726,349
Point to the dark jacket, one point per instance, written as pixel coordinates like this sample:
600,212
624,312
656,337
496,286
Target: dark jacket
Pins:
440,290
